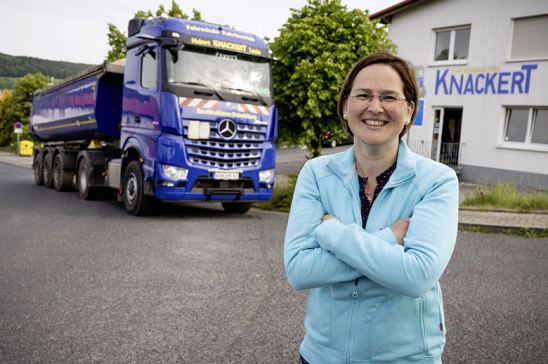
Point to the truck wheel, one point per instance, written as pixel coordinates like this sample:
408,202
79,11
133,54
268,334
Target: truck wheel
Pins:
38,170
135,201
62,180
85,191
237,207
47,173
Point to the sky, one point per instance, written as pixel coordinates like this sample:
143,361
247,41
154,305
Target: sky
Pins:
76,30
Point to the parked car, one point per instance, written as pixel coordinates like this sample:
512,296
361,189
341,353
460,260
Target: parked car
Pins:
329,140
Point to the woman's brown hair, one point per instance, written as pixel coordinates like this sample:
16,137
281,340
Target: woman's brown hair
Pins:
405,70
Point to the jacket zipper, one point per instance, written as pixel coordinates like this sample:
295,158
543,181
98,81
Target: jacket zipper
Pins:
350,335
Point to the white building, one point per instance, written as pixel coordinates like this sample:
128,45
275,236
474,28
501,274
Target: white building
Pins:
482,67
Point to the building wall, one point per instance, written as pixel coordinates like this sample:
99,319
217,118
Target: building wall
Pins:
483,154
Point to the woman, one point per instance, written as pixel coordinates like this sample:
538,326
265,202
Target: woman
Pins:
371,230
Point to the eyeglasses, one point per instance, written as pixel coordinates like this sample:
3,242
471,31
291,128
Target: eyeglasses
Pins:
365,100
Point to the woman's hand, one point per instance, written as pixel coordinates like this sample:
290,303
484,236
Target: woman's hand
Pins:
399,228
328,217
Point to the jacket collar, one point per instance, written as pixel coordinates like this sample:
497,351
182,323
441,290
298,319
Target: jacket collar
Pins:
343,164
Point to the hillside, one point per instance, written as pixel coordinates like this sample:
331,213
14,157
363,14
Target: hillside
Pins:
13,67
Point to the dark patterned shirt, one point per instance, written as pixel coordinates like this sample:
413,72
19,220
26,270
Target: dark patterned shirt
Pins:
382,179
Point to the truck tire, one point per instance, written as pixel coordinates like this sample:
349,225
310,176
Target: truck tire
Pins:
237,207
37,167
62,180
135,200
47,172
85,191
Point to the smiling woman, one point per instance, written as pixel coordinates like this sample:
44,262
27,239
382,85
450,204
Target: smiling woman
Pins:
371,230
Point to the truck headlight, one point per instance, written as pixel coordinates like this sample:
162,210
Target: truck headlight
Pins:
266,176
174,173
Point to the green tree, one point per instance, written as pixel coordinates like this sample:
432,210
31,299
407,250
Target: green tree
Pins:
17,106
6,124
316,48
117,39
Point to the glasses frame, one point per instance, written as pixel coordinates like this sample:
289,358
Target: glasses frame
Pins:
366,99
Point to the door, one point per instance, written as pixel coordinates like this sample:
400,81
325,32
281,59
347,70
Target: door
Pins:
446,135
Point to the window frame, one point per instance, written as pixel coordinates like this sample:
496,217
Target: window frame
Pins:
509,56
452,36
531,119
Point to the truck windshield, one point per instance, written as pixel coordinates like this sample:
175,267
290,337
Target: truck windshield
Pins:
220,71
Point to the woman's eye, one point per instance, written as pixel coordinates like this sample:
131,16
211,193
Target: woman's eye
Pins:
389,98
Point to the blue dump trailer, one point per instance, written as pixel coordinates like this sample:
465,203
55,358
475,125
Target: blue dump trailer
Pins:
189,115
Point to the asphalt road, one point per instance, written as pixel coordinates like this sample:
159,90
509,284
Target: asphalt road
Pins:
82,281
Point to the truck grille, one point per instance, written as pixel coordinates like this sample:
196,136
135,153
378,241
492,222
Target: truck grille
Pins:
244,150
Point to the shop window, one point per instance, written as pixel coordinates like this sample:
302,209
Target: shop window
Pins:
528,126
529,39
148,70
452,44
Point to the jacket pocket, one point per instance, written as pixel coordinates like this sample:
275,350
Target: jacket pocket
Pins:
318,316
434,323
397,328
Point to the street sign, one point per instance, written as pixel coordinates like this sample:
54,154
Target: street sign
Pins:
18,128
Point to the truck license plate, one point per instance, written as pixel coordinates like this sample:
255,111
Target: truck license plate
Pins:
226,175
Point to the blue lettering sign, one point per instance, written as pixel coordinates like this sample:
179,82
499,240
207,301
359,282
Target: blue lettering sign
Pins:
484,83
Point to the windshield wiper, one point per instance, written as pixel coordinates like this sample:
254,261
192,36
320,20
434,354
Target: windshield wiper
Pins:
253,92
206,85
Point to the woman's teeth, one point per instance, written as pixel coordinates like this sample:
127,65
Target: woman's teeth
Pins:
374,122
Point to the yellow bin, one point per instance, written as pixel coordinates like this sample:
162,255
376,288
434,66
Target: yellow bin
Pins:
25,147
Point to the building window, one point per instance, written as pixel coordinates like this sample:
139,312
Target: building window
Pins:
529,40
526,125
452,44
148,70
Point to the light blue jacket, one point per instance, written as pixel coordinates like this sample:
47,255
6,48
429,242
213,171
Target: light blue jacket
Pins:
372,300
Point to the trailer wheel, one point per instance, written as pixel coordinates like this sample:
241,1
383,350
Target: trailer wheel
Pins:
237,207
62,180
85,191
38,169
47,173
135,201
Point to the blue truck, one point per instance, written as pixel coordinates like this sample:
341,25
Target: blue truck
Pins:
188,115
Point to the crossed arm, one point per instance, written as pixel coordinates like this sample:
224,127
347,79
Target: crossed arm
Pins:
320,250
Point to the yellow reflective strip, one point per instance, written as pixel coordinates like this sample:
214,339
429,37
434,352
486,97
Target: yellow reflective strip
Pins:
76,123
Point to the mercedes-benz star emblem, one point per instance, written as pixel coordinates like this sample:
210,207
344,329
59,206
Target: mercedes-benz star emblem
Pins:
227,129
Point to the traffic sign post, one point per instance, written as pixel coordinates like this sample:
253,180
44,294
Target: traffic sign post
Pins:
18,129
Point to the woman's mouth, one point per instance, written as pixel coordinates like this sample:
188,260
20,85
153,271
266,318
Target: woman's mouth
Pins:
372,122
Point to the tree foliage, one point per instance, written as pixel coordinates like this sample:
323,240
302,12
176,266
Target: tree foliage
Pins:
316,48
18,66
16,106
5,127
117,39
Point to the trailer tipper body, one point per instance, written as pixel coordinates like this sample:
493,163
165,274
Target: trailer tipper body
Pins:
187,116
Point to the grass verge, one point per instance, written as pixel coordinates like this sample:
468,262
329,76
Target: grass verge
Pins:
506,196
281,197
525,232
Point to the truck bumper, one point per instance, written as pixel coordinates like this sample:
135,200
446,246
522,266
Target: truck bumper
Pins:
179,194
